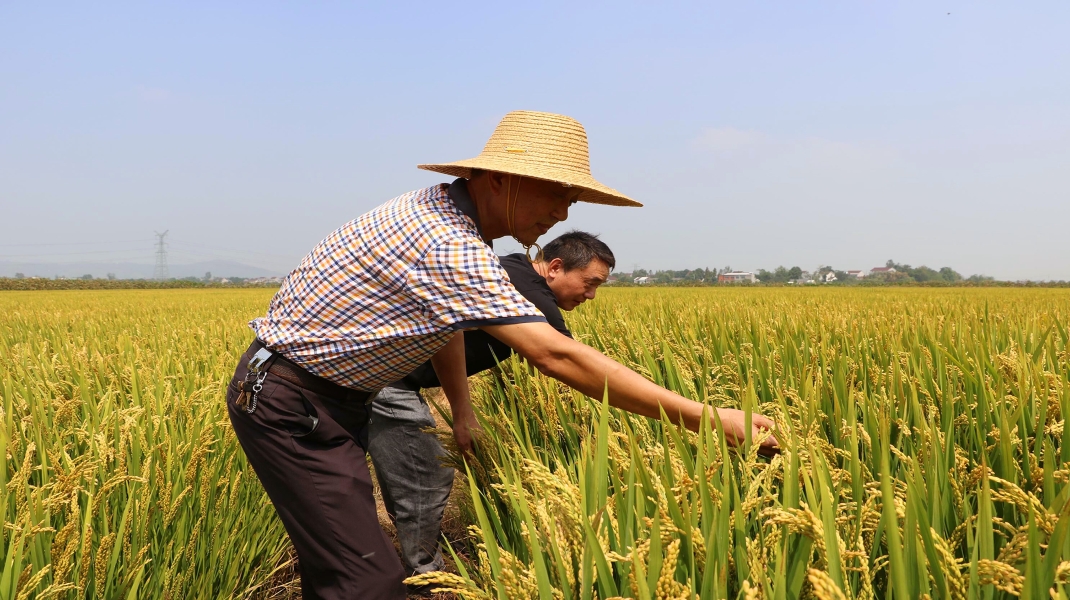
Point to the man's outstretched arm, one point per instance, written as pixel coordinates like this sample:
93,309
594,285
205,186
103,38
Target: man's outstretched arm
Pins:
590,372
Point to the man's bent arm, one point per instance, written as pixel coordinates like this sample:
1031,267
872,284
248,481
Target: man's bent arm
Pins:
590,372
449,364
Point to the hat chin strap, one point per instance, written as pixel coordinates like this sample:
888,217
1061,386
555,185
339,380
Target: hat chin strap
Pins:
510,216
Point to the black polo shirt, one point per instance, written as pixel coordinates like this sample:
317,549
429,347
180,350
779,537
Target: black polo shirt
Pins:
482,350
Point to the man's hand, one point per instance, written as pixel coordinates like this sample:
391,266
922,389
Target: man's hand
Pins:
465,429
450,368
734,423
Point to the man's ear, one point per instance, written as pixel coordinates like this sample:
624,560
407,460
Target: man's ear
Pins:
496,181
556,267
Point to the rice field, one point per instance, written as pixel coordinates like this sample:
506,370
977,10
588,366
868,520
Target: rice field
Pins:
925,453
121,477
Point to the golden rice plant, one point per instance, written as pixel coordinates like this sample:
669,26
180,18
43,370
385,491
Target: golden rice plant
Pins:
924,452
120,474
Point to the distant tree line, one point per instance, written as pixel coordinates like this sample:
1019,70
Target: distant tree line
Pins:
903,274
669,276
779,275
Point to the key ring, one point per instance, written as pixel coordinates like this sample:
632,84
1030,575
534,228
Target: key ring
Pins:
257,386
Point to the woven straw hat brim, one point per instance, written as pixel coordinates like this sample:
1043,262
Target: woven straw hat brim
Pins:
590,189
543,146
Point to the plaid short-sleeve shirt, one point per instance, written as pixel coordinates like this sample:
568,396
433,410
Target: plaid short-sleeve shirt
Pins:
383,293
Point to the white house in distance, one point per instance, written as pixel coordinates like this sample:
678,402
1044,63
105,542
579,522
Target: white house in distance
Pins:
736,277
881,270
856,274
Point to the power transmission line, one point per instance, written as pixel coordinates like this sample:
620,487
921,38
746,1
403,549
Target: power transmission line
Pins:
75,243
232,251
139,253
160,272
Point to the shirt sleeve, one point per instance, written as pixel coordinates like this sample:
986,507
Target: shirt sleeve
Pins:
482,351
462,285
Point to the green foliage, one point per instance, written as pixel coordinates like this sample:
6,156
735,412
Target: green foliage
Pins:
779,275
923,274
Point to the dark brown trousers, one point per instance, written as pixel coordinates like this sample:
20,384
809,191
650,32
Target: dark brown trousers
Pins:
319,482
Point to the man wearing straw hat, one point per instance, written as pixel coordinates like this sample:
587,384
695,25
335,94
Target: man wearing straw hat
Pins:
390,290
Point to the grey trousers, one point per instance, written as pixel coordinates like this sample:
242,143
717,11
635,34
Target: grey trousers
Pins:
408,466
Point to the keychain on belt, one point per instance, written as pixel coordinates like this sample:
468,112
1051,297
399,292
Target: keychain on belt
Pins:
254,380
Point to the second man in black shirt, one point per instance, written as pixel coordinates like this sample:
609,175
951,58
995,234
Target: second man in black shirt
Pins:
408,460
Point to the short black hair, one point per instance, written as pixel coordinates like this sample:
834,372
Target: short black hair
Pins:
577,249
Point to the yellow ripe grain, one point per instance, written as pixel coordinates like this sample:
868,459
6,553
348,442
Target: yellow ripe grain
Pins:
448,583
85,555
1001,575
28,589
952,567
1062,572
100,567
823,587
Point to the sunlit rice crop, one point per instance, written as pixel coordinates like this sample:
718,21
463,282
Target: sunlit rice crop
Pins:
121,476
925,451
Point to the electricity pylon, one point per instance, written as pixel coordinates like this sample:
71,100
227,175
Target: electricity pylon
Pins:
160,272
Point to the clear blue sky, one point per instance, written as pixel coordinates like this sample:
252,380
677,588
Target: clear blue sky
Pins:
756,133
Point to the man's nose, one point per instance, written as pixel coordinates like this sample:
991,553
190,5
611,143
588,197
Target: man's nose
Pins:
590,294
560,211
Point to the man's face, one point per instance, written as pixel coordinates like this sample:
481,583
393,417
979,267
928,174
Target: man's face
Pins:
573,288
539,205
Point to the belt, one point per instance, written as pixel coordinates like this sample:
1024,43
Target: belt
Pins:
285,369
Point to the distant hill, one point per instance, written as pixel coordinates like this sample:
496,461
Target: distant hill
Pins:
218,268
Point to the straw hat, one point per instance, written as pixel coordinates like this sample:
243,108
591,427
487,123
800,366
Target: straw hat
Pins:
543,146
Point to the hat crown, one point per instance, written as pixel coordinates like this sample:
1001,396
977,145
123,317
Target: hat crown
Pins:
546,139
542,146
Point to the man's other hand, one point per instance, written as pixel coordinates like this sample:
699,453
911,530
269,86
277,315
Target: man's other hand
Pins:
734,422
465,430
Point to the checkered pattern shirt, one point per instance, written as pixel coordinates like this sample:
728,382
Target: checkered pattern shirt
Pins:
383,293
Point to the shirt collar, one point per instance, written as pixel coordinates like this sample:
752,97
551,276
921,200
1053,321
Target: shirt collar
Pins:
458,192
